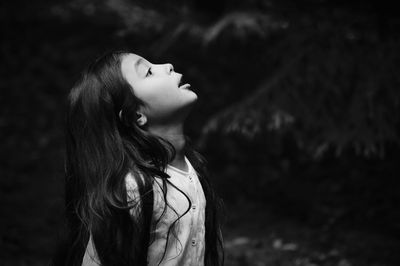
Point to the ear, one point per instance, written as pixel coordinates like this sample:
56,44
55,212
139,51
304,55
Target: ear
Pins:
141,119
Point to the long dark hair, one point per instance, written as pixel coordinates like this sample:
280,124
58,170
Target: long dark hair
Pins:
103,145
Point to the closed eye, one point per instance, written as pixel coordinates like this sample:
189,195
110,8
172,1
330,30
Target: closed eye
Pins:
149,72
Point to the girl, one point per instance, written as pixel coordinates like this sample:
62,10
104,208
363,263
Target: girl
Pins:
137,193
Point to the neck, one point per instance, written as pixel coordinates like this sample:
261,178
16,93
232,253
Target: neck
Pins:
173,134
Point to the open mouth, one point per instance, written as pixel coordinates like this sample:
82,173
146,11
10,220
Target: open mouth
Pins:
183,84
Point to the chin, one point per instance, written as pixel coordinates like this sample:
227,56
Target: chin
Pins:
188,95
194,97
194,94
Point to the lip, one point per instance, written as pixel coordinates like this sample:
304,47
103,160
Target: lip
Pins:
185,86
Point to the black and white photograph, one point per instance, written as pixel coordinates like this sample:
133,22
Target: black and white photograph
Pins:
200,133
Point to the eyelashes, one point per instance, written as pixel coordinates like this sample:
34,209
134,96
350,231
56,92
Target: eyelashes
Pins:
149,72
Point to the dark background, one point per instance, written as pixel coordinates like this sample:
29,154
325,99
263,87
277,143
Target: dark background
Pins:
298,116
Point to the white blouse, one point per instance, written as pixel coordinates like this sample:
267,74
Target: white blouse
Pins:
186,241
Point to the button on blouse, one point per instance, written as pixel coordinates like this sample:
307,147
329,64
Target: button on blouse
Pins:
190,228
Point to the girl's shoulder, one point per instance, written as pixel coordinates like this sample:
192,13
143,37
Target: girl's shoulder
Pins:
132,192
132,186
131,182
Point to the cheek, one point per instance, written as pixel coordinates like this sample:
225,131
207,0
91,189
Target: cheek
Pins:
159,94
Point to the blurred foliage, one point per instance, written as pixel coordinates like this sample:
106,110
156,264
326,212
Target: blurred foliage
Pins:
339,89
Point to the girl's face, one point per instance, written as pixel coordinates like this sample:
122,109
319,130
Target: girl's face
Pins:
158,86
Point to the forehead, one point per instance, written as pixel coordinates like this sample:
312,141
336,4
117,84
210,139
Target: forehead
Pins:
128,65
129,60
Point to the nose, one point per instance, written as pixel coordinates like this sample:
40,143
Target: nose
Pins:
170,68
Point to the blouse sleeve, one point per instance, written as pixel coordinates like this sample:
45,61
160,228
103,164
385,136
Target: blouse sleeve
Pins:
133,195
90,258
